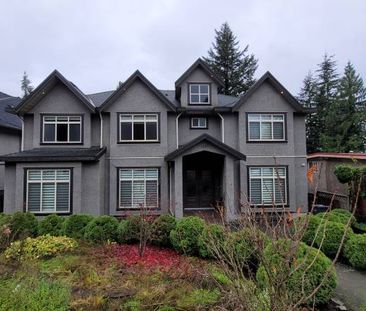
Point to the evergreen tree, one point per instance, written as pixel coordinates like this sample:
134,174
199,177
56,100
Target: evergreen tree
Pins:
344,131
307,98
26,86
235,67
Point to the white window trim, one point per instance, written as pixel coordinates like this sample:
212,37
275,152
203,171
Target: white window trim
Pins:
274,178
132,179
132,115
267,121
199,126
68,122
48,181
199,94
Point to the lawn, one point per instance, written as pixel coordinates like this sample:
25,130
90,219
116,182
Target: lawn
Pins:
110,277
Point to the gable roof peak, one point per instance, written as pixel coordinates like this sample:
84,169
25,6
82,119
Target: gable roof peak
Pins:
199,63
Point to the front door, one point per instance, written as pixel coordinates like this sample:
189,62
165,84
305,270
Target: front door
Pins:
199,188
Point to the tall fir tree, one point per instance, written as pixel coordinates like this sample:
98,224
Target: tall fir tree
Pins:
344,130
235,67
307,98
26,86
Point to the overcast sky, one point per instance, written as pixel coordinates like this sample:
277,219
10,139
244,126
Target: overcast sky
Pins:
97,43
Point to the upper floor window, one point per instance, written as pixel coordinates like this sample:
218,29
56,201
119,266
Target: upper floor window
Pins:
199,94
266,127
199,123
61,129
138,127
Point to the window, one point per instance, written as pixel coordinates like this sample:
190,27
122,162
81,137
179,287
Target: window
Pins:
48,190
138,127
199,123
266,127
61,129
199,94
138,188
268,185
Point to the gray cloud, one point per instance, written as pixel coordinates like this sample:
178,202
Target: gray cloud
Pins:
97,43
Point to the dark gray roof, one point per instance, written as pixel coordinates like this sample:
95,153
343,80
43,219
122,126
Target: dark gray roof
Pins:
205,138
55,155
9,120
224,100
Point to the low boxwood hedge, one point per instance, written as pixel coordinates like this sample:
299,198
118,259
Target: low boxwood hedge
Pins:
23,225
101,229
51,224
161,228
74,225
355,251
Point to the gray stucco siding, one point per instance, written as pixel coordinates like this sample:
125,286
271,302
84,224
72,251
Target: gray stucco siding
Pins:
58,101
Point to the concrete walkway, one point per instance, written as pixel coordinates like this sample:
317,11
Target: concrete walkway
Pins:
351,289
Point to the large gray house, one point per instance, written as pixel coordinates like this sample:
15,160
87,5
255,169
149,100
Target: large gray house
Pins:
179,151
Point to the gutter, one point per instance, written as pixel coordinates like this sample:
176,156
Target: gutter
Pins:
176,128
22,140
101,128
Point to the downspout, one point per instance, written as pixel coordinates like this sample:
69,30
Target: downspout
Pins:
22,139
176,128
101,128
222,127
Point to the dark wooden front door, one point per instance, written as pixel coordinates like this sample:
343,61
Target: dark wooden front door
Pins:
201,181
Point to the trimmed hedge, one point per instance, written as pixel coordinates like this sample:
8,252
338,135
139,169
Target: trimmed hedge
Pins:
4,219
74,225
185,236
332,233
338,215
161,228
23,225
304,258
211,234
313,223
355,251
129,229
101,229
51,224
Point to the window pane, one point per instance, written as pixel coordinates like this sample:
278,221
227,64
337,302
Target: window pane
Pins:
140,117
278,130
204,88
62,119
139,174
152,173
195,98
194,122
280,171
202,122
49,175
62,197
126,194
151,131
126,131
278,117
126,117
280,191
75,119
126,174
49,119
63,175
48,197
138,193
255,191
267,171
266,130
151,117
194,88
255,172
266,117
49,132
268,190
34,175
75,132
138,131
254,130
204,98
151,193
34,197
254,117
61,132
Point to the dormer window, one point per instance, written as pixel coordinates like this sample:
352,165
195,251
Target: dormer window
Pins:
61,129
199,94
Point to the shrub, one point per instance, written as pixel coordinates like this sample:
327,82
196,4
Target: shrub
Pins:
359,227
23,225
355,251
307,262
198,298
313,223
4,219
129,229
101,229
184,237
74,225
338,215
161,228
41,247
212,234
51,224
332,233
33,294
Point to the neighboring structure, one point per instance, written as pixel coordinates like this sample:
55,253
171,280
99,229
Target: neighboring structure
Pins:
177,150
325,181
10,134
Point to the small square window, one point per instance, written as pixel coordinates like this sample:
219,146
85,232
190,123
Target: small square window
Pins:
199,123
199,94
